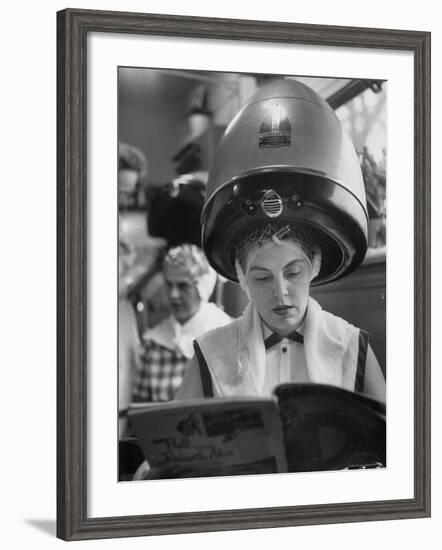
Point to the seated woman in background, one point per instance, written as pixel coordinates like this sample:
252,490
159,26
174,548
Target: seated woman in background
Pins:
128,339
283,335
167,348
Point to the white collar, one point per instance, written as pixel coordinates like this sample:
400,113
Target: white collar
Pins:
326,338
175,336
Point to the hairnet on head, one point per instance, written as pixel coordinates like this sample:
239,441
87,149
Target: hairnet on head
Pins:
191,262
278,233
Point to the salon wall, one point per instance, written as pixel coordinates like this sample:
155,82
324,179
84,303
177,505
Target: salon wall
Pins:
145,119
28,276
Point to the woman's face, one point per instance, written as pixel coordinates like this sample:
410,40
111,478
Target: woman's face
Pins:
278,277
182,293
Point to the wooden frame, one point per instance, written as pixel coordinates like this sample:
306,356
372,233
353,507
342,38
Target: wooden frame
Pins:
73,27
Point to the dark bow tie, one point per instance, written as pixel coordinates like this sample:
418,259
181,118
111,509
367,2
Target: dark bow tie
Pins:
274,339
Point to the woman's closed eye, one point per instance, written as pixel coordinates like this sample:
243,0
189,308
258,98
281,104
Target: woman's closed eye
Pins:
261,276
294,272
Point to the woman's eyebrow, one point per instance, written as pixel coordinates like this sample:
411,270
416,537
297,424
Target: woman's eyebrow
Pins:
258,268
292,262
298,260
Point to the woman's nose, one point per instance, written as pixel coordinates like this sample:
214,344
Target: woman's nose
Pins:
280,287
173,292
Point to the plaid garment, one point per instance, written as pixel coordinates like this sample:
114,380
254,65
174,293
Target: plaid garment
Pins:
159,374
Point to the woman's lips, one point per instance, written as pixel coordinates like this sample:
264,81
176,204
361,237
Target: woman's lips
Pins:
282,311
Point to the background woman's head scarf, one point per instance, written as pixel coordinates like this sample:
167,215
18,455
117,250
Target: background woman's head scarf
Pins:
191,262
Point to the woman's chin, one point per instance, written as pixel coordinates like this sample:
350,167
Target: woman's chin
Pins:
284,325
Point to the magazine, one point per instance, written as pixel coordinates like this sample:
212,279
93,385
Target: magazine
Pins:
303,427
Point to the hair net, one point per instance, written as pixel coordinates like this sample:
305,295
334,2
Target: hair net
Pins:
278,233
192,263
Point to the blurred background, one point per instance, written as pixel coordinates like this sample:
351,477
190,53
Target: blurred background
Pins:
170,122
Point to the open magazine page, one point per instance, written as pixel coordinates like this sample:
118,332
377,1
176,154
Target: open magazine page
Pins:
309,427
211,437
329,428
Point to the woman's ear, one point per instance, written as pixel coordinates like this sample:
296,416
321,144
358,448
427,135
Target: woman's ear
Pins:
316,265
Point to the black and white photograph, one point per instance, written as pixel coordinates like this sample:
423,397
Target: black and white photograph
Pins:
221,228
243,274
252,216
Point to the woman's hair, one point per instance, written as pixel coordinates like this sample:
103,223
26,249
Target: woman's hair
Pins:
301,234
192,262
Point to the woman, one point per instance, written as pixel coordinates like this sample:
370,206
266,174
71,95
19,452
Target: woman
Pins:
285,209
167,347
128,339
284,335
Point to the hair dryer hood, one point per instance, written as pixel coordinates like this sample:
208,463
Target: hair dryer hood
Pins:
286,157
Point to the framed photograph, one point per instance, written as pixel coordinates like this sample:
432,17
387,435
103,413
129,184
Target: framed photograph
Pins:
143,103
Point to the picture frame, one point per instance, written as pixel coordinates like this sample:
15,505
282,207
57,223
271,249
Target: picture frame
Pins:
73,28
